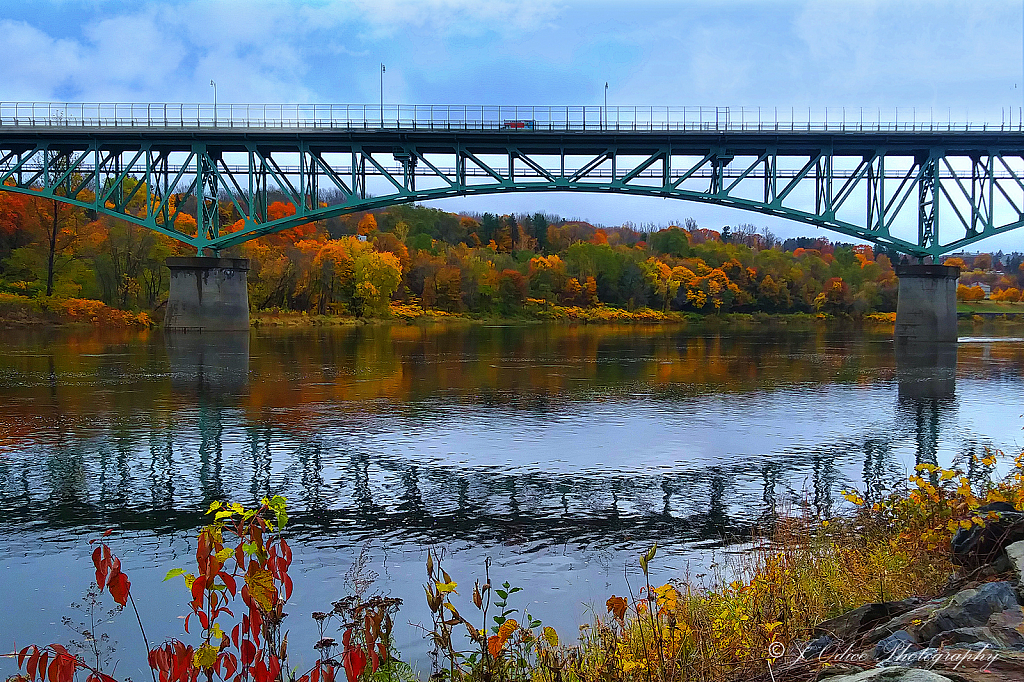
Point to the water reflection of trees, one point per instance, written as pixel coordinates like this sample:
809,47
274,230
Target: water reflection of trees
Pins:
122,435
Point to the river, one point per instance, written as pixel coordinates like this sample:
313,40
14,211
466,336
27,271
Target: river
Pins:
559,451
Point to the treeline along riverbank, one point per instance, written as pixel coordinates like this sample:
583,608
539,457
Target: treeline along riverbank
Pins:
413,257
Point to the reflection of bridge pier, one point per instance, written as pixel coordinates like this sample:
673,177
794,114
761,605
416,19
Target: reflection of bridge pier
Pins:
926,374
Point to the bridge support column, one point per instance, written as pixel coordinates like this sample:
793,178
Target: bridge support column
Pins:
926,307
208,294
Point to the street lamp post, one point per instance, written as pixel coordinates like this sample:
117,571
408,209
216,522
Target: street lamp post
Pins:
214,84
606,103
382,95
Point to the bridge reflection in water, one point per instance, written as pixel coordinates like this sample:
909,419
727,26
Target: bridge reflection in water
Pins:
130,439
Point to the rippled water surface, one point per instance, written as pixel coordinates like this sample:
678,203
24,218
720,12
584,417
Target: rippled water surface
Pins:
559,451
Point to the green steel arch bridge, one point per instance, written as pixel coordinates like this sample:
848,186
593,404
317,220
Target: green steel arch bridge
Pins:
892,180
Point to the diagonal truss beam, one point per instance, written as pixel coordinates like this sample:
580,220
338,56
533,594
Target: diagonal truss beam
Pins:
891,194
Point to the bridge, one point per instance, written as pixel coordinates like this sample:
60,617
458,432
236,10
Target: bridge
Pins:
884,181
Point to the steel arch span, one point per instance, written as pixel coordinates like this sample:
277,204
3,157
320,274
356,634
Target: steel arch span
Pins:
892,185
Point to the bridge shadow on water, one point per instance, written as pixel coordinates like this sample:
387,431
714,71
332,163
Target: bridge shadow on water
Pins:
213,432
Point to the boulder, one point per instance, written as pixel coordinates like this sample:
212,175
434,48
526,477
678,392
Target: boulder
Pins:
892,674
966,609
1015,554
1004,630
852,624
817,647
896,644
980,545
921,613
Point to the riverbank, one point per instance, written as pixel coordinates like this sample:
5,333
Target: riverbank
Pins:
22,311
411,314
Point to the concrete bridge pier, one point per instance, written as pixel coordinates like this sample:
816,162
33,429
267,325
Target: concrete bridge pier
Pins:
926,307
208,294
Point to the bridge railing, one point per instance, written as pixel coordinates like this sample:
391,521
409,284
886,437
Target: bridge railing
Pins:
487,117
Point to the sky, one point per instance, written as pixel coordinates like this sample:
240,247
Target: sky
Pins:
963,60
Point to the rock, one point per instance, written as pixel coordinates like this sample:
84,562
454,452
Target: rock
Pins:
894,645
987,666
1015,554
966,609
852,624
892,674
900,622
980,545
817,646
1002,631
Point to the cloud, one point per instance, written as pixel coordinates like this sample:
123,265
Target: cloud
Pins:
36,65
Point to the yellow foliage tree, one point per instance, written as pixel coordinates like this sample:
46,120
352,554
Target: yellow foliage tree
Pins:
377,276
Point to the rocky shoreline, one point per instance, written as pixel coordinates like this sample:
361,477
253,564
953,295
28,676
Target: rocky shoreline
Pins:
974,633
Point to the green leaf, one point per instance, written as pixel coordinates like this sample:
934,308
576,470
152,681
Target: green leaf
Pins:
174,573
501,593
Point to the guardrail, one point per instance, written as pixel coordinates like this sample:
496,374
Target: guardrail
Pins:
485,117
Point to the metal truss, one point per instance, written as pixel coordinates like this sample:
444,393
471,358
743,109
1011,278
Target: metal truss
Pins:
887,187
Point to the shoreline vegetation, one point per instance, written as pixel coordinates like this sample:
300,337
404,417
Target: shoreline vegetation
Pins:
927,576
22,311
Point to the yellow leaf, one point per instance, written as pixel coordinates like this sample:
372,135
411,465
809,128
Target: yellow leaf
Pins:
214,506
261,588
445,588
189,579
966,524
947,474
216,632
204,657
550,636
223,555
506,629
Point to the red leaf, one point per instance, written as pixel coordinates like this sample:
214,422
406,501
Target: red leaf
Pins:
204,620
315,676
119,587
33,661
255,623
42,665
329,673
383,651
354,661
102,566
286,551
229,581
59,649
197,589
108,532
186,622
287,587
97,557
22,654
248,652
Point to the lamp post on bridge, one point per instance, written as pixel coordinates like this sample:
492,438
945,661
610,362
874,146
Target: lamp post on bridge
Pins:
382,95
214,84
605,104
